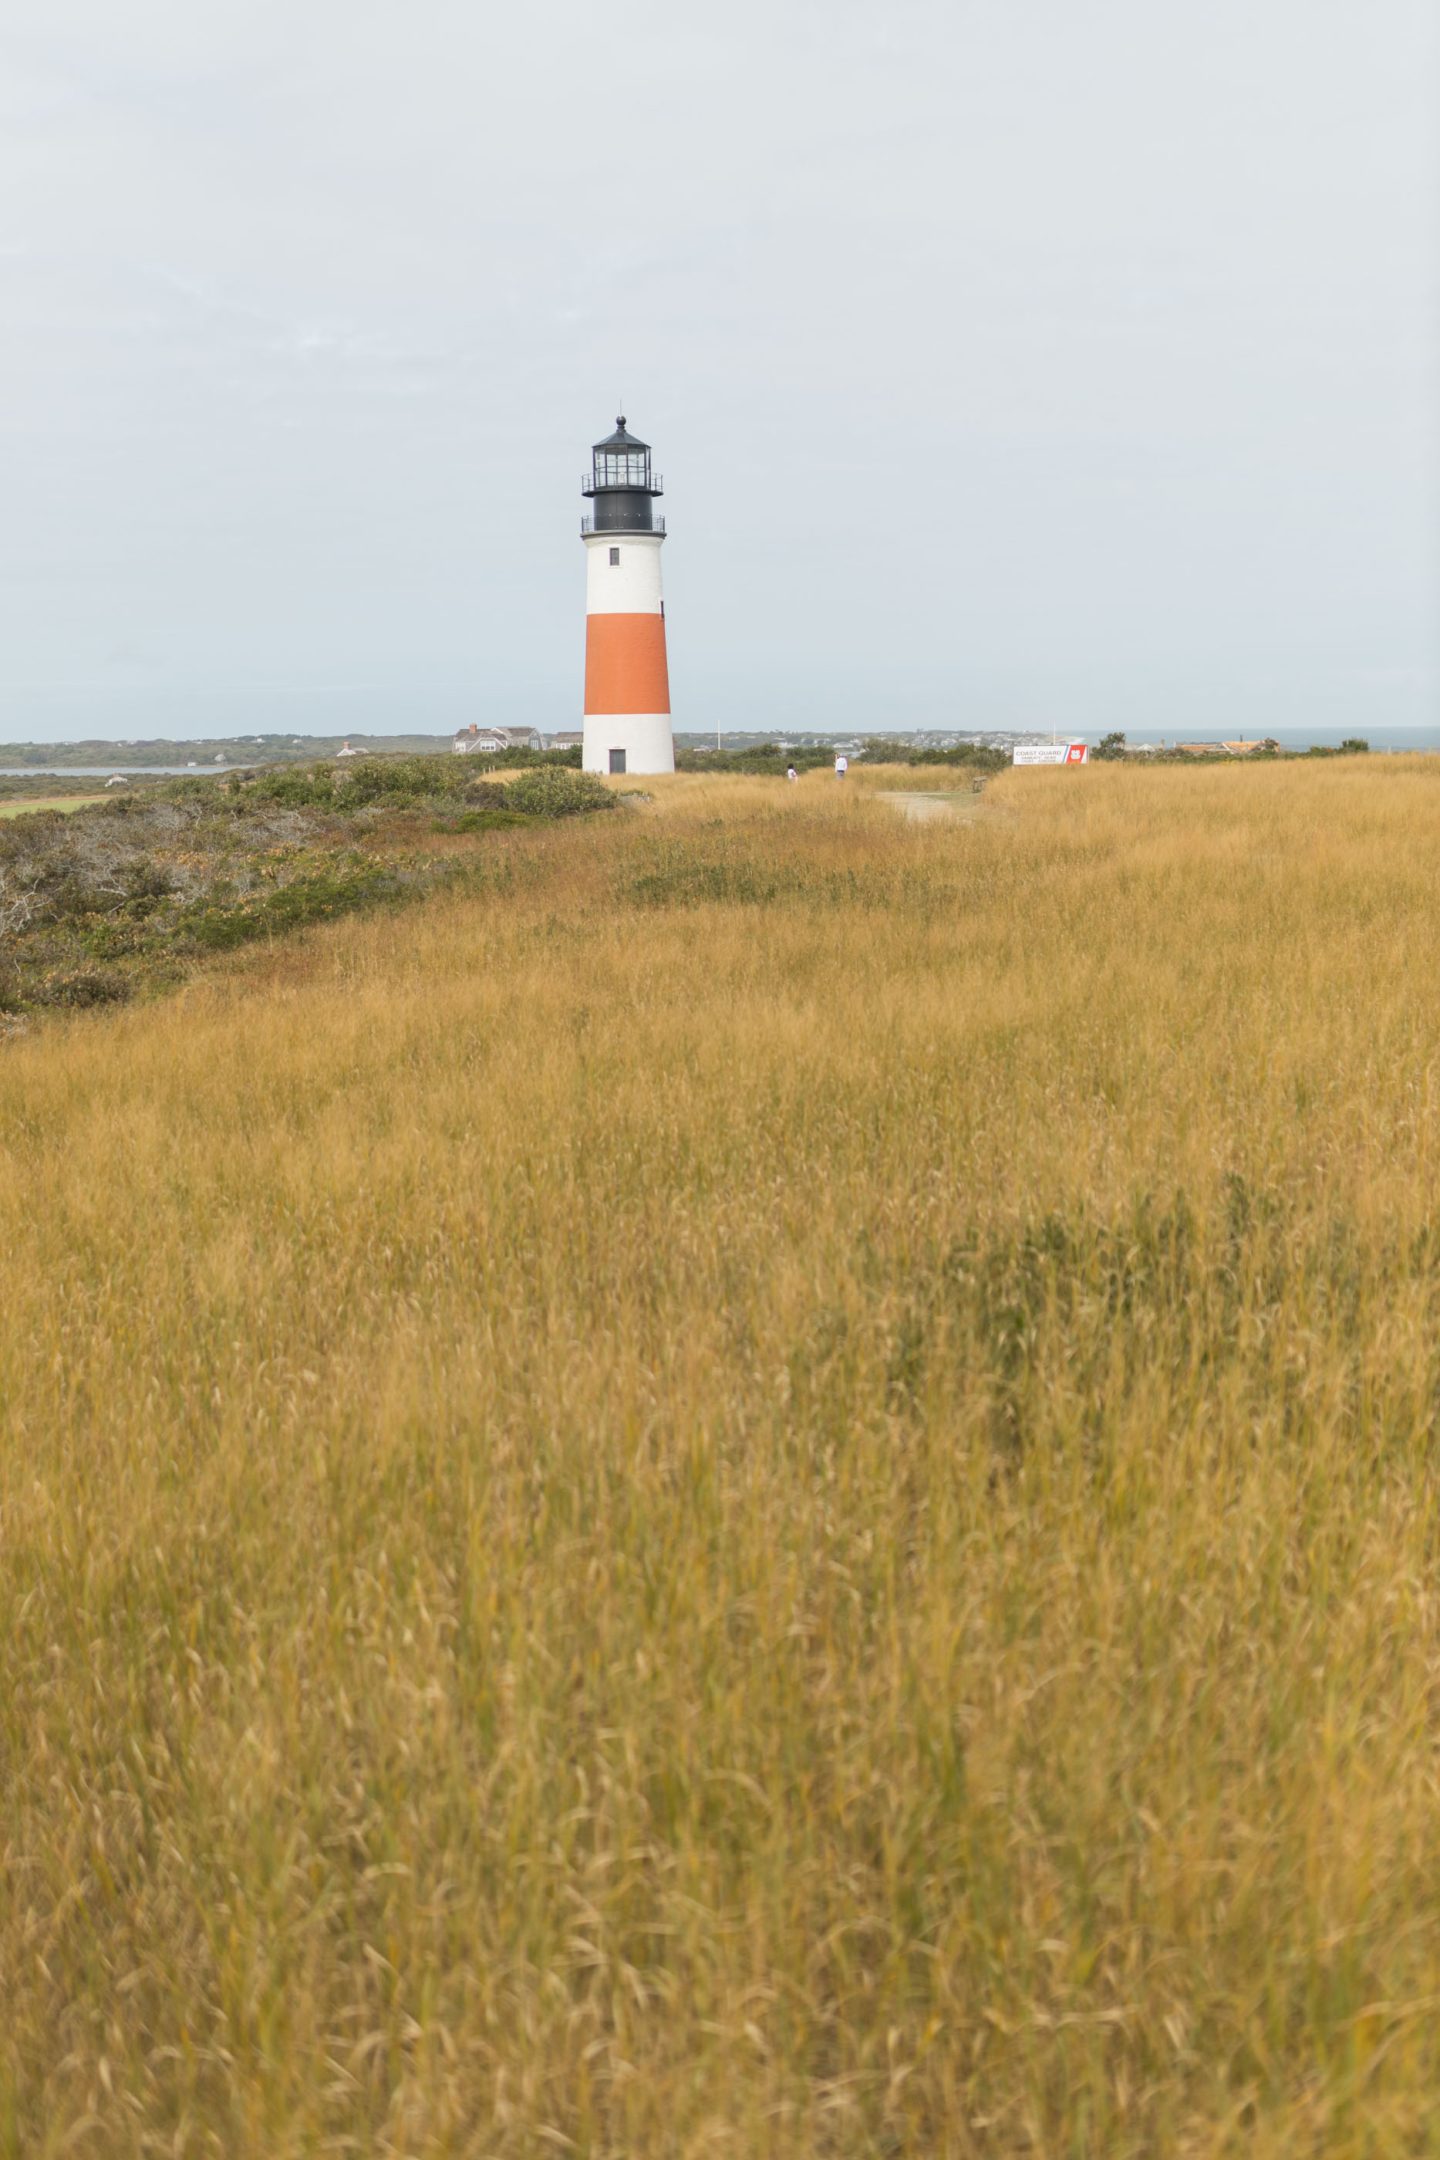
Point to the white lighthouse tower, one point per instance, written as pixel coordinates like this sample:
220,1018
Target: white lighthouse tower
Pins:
627,682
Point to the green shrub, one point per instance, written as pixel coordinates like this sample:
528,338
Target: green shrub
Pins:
302,788
557,791
111,936
146,880
396,780
760,758
79,987
317,897
880,750
470,821
515,760
352,784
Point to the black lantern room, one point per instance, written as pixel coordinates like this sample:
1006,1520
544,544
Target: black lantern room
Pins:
622,484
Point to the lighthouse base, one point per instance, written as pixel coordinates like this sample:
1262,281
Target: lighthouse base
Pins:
628,743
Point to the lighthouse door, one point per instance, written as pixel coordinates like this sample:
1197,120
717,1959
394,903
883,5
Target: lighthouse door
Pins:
617,761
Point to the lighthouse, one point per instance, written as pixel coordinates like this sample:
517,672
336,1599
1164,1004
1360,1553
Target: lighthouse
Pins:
627,684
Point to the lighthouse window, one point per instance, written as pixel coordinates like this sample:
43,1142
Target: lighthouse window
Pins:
614,558
621,469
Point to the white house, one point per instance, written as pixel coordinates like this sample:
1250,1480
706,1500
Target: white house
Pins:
490,739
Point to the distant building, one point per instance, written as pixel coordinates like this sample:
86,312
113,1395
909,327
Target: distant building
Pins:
347,751
573,739
117,779
486,741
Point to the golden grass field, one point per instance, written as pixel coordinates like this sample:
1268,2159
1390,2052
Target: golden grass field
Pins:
766,1489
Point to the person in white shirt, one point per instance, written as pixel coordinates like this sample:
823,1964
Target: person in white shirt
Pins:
790,773
842,765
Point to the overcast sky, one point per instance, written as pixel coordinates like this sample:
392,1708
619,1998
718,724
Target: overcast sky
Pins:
1009,362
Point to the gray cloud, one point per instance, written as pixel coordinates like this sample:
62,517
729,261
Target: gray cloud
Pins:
1007,360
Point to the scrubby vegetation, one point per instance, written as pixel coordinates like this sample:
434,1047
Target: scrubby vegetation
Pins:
759,758
767,1487
974,757
22,788
762,758
95,902
212,750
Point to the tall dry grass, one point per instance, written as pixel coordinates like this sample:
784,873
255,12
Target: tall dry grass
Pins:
770,1491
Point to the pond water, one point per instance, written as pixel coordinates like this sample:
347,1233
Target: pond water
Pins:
100,772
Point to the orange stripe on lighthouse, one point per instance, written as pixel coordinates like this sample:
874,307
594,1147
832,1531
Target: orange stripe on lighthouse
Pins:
625,670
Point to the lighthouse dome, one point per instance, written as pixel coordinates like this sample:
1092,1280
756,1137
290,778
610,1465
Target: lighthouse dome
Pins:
621,482
622,439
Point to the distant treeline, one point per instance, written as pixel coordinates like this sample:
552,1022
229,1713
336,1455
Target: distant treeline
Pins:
213,749
769,757
1114,746
211,757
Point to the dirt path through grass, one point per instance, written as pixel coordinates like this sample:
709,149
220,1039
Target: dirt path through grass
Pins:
922,806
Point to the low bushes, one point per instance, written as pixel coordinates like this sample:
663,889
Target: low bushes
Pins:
95,901
215,926
79,987
393,782
557,793
473,821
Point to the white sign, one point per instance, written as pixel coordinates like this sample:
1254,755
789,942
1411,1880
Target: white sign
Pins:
1052,753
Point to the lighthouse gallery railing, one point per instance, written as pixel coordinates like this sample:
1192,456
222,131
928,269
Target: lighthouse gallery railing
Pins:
587,525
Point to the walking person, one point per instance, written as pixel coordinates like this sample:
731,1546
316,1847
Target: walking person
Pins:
842,765
790,773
